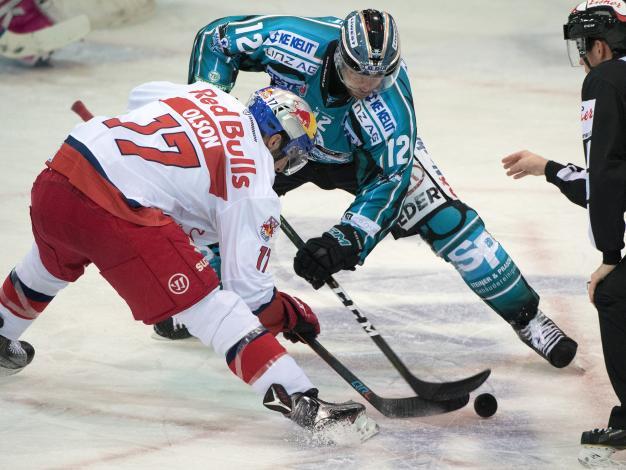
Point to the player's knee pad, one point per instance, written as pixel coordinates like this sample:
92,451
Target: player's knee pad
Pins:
449,227
254,354
219,320
225,322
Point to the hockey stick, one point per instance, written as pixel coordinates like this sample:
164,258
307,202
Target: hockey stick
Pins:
427,390
390,407
79,108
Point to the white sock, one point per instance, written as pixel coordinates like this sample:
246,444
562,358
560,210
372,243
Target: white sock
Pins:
286,372
13,326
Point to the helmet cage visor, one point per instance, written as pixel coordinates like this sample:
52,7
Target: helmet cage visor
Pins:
582,28
299,145
297,153
576,50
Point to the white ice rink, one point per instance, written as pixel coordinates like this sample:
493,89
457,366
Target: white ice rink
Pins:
489,78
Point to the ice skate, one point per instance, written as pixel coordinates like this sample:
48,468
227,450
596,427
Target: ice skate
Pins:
29,34
14,356
599,445
548,340
319,416
170,329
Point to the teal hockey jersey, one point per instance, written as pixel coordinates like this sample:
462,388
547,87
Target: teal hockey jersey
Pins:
378,133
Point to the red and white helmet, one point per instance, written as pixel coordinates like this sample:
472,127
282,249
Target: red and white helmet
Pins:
280,111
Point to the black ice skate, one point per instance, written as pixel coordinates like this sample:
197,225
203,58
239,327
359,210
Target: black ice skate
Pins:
548,340
318,416
170,329
14,356
599,445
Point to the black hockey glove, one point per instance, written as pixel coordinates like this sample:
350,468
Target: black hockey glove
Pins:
321,257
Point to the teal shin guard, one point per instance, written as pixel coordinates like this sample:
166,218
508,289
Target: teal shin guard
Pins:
457,234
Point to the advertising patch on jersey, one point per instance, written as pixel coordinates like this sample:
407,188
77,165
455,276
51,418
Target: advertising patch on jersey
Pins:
422,198
293,42
286,83
586,117
366,122
375,118
268,229
368,226
296,63
381,113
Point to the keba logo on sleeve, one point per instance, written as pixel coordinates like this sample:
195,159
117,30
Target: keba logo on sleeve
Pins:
586,117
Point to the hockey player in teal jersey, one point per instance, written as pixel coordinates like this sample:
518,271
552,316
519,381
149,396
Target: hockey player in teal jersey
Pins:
351,73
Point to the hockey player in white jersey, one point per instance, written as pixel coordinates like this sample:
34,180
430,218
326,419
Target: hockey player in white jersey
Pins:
128,193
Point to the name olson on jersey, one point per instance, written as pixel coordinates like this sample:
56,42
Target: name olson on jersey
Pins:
232,130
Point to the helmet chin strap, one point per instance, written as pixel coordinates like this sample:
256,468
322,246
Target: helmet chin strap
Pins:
586,61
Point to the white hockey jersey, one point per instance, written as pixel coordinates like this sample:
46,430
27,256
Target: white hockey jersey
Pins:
197,154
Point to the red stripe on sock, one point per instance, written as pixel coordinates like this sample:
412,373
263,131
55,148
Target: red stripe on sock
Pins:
256,357
10,298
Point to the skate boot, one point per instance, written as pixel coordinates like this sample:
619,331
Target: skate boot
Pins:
14,355
170,329
319,416
547,339
599,445
22,17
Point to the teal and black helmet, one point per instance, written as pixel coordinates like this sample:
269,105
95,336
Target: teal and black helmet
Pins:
369,45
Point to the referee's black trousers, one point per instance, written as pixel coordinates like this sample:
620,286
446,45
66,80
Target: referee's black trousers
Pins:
610,300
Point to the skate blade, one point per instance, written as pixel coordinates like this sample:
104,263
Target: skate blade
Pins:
191,339
598,457
5,372
365,427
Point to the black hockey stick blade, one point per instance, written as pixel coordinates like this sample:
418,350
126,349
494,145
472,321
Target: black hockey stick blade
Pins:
439,391
453,389
391,407
429,390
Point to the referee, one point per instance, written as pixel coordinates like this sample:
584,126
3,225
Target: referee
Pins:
596,38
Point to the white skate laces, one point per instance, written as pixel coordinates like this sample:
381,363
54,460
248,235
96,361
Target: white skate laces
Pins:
598,457
541,334
14,356
599,445
15,349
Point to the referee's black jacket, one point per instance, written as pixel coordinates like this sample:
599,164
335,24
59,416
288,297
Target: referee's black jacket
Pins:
601,188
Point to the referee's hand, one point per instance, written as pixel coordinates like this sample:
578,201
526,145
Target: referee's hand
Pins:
596,277
524,163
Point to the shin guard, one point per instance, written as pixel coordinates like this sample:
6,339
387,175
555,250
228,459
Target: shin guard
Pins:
457,234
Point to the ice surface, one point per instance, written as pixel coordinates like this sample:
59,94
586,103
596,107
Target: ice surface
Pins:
489,78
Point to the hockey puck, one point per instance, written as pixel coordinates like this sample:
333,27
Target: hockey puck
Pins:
485,405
